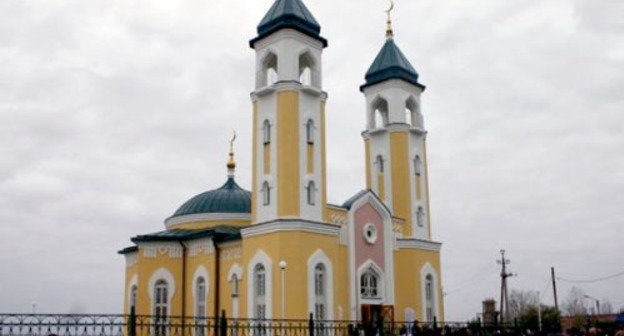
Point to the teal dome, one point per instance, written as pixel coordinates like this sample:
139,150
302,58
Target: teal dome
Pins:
391,63
230,198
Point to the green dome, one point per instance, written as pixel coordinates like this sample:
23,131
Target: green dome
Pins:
230,198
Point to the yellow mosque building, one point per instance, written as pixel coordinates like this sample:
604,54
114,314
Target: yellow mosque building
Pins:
280,251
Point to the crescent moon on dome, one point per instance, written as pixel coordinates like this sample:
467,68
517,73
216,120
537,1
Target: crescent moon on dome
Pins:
391,7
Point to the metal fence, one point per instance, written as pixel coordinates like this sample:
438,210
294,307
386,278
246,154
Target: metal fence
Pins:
148,325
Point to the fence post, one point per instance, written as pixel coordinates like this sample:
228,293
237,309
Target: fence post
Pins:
479,331
223,324
435,326
132,322
311,325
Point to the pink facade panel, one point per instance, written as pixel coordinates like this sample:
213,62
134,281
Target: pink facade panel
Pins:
363,249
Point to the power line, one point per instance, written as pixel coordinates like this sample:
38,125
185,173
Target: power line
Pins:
592,280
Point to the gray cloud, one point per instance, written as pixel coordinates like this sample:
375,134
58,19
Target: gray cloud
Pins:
113,113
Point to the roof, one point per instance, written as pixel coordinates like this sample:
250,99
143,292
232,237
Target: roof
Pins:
229,198
349,203
220,233
391,63
129,250
288,14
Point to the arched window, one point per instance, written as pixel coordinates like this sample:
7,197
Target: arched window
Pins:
380,113
259,291
417,165
266,132
133,296
379,162
200,306
311,188
420,217
412,114
269,70
310,131
234,283
320,288
429,298
306,70
369,284
161,307
409,116
266,193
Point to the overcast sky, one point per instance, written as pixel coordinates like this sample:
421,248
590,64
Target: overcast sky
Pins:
113,113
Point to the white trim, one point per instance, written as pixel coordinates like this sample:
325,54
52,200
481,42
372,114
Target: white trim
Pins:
200,272
131,258
164,274
319,257
373,238
260,258
235,269
289,226
414,243
155,249
133,282
206,217
424,271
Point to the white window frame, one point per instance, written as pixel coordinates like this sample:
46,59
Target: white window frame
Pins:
266,193
311,193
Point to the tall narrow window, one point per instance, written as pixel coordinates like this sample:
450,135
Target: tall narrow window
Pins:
417,165
429,298
269,70
420,217
259,292
369,284
379,108
161,307
311,193
266,193
320,306
379,162
234,285
266,132
200,306
133,297
310,131
411,112
306,70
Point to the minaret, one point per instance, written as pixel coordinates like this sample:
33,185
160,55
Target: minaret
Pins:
396,158
288,116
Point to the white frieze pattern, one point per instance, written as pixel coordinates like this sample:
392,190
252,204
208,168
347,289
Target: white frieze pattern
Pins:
200,247
155,250
231,254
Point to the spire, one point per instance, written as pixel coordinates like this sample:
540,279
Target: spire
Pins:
389,30
231,164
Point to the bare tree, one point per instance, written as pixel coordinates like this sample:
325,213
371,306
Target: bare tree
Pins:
521,302
574,304
606,307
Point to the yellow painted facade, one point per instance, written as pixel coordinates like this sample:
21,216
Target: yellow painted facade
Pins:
288,154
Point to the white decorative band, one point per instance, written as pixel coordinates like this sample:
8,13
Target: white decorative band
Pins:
206,217
153,250
131,259
290,226
413,243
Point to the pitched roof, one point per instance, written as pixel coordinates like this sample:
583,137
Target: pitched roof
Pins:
391,63
220,233
289,14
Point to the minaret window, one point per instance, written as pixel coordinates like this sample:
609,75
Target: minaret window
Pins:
200,305
269,74
380,113
311,188
266,193
379,162
133,297
161,307
310,131
306,70
266,132
259,291
417,165
412,114
234,283
420,217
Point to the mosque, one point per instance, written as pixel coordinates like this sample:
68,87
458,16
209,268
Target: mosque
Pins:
280,251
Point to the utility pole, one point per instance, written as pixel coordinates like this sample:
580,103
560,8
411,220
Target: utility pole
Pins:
554,284
504,302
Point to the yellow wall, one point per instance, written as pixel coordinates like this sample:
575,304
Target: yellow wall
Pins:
147,267
254,157
130,272
427,186
209,224
407,266
323,163
401,194
288,153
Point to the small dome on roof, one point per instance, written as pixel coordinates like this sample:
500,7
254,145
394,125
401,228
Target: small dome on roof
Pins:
230,198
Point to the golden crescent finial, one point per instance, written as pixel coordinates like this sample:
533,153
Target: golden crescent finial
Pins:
389,30
231,165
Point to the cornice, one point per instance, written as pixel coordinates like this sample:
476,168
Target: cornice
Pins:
289,225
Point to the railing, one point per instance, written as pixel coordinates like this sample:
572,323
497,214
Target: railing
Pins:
146,325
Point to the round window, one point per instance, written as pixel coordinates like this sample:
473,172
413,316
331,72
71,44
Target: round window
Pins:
370,233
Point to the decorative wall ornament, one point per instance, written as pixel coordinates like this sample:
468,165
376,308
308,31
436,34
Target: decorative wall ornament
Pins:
339,219
173,250
231,254
198,247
